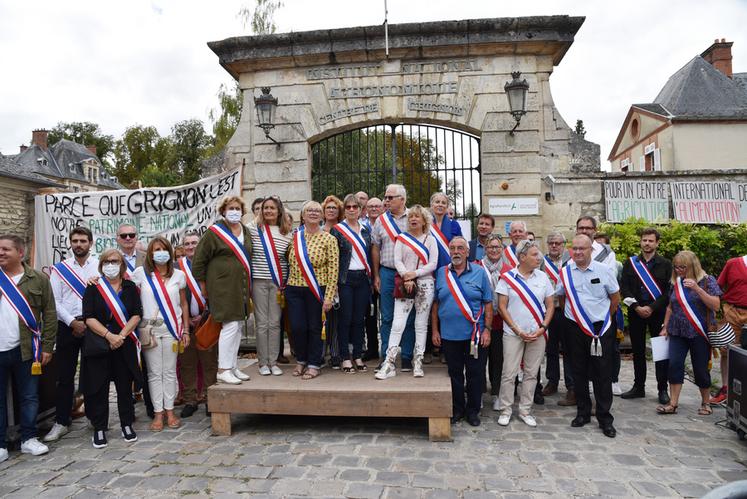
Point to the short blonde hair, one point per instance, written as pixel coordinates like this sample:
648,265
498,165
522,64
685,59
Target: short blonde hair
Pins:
690,260
425,215
231,199
310,204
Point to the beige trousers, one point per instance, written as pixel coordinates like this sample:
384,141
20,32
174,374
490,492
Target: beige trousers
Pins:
514,351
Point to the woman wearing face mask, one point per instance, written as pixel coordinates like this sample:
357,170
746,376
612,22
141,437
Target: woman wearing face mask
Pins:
166,313
120,363
222,267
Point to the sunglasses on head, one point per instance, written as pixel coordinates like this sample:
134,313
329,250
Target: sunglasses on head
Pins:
128,235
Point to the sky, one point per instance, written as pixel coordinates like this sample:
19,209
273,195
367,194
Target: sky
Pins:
146,62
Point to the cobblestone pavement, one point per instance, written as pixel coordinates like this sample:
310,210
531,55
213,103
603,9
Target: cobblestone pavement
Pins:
272,456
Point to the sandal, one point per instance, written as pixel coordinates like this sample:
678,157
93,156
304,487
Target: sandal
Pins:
299,370
360,366
157,423
667,409
705,410
349,369
172,421
311,373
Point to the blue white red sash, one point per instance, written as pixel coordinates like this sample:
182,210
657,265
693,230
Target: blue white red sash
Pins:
581,318
443,243
194,287
71,278
416,246
116,307
510,256
390,226
20,304
168,312
304,264
271,255
551,270
356,241
365,223
646,278
683,296
236,246
457,292
130,268
527,296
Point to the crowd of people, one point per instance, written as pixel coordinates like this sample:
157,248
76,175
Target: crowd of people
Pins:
359,279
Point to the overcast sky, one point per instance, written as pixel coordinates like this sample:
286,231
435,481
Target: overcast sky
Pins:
146,62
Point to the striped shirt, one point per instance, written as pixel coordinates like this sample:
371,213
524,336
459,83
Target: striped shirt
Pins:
260,268
381,238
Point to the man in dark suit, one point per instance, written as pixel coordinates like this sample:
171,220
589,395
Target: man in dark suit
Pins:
485,226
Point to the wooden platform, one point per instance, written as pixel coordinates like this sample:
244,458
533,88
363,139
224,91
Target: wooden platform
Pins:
336,393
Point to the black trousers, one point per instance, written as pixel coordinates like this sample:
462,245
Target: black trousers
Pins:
597,369
495,360
372,326
66,355
99,372
460,362
557,336
638,327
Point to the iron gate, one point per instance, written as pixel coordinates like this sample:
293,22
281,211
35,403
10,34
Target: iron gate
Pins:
424,158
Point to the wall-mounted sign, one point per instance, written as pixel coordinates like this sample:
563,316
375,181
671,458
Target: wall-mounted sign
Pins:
706,202
513,206
628,198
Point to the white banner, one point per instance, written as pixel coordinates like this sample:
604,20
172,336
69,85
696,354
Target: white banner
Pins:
629,198
702,202
165,211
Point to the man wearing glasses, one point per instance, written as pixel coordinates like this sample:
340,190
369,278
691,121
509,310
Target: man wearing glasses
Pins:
386,229
127,242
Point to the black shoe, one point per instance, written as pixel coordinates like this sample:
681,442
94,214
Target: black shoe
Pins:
129,434
539,399
406,365
334,363
378,368
634,393
664,397
207,411
282,359
99,439
473,420
580,421
609,430
456,418
188,410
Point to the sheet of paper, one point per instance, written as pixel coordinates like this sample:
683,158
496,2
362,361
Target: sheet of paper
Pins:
660,348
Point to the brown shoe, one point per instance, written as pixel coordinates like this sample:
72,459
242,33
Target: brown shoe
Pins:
550,389
569,400
282,359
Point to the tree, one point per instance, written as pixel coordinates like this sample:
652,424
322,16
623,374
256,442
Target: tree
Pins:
87,134
134,152
580,130
189,143
262,18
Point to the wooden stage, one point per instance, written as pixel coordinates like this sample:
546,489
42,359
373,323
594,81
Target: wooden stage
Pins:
335,393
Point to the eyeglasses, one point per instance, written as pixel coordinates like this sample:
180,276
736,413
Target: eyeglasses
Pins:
330,207
555,243
313,210
389,198
116,261
128,235
680,267
495,247
580,227
352,207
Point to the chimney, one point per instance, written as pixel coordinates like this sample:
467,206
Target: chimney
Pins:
719,55
23,148
39,138
92,149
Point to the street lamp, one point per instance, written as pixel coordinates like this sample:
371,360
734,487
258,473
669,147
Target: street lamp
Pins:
516,90
265,105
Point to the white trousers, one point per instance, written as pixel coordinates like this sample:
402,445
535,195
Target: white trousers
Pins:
161,362
228,345
422,302
516,350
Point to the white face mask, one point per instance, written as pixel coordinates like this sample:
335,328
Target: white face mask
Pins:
110,270
233,216
161,256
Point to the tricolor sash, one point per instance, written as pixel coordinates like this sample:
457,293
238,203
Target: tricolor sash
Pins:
527,296
356,241
457,292
390,226
551,270
304,264
683,296
443,243
511,259
130,268
116,307
581,318
168,312
71,278
646,278
194,287
20,304
416,246
271,255
236,246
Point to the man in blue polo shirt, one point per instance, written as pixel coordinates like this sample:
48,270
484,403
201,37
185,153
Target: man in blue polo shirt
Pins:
469,285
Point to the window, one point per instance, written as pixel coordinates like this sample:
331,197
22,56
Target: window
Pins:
625,164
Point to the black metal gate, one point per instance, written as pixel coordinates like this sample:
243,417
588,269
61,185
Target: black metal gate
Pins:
424,158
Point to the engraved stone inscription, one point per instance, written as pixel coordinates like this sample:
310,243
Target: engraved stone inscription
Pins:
387,90
325,73
375,69
434,107
351,111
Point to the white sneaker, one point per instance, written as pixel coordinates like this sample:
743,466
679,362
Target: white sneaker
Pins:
240,374
228,378
616,390
496,403
387,371
417,369
263,371
503,419
3,454
528,419
276,371
34,447
56,432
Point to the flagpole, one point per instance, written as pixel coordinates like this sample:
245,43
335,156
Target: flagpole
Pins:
386,29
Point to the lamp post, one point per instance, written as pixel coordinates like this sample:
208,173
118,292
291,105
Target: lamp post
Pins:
516,90
266,105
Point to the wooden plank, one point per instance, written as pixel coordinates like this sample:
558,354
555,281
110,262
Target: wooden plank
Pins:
439,429
221,423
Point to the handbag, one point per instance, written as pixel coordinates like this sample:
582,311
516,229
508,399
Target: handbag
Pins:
208,331
722,337
400,291
145,334
94,345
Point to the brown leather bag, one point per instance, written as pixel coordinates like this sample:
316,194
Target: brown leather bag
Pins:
207,332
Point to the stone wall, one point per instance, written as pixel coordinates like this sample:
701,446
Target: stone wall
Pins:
17,208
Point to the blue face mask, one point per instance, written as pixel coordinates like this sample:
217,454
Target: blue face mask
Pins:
161,257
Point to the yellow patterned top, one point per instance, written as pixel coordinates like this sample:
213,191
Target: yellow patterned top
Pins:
324,255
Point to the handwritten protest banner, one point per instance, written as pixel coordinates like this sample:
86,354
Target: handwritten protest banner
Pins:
705,202
165,211
629,198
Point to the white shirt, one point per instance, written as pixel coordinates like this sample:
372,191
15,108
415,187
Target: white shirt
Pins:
177,282
405,259
69,306
540,285
10,335
610,261
355,261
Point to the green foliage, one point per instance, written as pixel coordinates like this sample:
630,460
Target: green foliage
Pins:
262,18
133,153
189,144
225,120
87,134
580,129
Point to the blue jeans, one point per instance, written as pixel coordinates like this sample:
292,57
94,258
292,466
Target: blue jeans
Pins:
355,298
306,325
28,394
700,353
386,306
